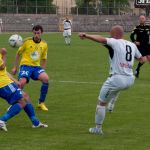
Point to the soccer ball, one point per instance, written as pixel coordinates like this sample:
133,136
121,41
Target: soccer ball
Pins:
15,40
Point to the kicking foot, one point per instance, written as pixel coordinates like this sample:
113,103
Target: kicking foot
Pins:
42,107
95,130
137,72
110,107
3,126
41,125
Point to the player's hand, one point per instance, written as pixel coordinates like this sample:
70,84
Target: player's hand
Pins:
14,70
82,35
19,84
3,51
2,66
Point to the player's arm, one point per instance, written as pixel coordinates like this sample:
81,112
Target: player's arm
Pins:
3,52
16,63
132,35
43,63
44,57
142,60
13,79
18,56
96,38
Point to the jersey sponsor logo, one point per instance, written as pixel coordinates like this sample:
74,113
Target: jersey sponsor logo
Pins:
35,55
126,65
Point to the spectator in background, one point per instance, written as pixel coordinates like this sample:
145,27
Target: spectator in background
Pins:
1,25
67,30
140,36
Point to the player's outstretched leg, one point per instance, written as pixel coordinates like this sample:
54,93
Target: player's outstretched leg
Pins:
111,103
3,126
14,110
99,118
30,112
44,90
110,107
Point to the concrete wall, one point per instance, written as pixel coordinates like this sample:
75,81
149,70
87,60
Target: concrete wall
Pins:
53,23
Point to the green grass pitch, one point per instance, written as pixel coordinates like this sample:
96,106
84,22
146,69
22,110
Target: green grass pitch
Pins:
76,75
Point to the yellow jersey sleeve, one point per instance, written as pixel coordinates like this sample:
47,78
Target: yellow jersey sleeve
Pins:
44,54
21,49
4,79
1,61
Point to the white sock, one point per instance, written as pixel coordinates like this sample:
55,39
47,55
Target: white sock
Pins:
66,40
99,115
69,40
112,101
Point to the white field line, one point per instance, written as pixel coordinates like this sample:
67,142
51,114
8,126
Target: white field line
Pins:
76,82
94,82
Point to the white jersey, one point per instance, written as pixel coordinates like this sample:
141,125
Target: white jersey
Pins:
122,54
67,24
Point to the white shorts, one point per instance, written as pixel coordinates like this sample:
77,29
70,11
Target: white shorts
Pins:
113,85
67,32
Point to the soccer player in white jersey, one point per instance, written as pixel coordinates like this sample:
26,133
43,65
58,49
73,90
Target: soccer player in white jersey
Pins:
67,30
122,54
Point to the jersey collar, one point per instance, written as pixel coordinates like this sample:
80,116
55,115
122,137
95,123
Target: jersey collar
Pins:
36,41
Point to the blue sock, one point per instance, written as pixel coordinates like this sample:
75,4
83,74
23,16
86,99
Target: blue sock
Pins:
44,90
14,110
30,112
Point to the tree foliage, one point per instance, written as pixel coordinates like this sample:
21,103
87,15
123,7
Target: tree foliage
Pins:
26,6
81,3
103,6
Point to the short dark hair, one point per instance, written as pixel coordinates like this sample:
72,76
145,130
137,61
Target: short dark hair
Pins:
37,27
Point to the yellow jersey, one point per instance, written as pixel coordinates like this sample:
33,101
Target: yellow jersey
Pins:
31,53
4,78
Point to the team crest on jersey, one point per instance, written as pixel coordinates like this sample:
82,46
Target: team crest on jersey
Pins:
35,55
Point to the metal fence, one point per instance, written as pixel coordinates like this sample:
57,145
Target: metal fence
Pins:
13,9
31,9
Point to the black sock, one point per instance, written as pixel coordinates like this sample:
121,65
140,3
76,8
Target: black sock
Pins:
139,66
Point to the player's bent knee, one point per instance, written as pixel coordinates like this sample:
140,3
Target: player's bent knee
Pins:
22,81
22,102
101,103
26,97
44,78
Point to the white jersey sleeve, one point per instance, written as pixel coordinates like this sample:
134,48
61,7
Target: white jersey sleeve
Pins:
123,54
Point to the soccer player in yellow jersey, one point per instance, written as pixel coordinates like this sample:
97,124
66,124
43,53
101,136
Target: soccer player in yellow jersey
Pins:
33,57
18,100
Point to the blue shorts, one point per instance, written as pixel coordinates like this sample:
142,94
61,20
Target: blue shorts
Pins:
28,72
11,93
